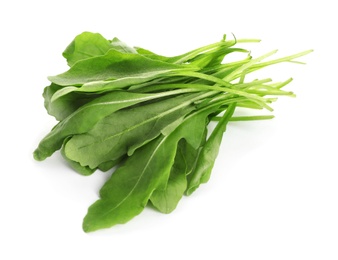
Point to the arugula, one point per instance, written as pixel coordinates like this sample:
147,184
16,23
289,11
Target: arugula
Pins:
111,140
85,117
148,116
129,189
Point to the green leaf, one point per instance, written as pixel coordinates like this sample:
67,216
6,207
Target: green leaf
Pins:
151,55
66,105
84,118
115,65
128,190
83,170
158,136
166,200
193,133
208,153
126,130
106,166
121,46
86,45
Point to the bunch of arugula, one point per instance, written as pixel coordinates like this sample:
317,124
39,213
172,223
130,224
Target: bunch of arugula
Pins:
148,115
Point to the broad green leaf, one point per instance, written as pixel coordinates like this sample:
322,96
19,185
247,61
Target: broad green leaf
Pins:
66,105
208,153
124,131
166,200
128,71
84,118
106,166
128,190
115,65
192,132
86,45
83,170
121,46
158,136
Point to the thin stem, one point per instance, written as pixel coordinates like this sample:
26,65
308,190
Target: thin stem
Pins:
261,65
246,66
245,118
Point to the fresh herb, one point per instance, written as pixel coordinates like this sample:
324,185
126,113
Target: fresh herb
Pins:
150,116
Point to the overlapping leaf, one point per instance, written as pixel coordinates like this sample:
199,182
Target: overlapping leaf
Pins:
148,114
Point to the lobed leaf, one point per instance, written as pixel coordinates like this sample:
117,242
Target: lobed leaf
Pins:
128,190
148,114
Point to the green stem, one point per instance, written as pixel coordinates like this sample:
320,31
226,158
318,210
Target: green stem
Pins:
245,118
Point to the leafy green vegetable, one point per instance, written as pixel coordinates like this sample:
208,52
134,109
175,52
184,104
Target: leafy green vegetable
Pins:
129,189
148,116
86,45
166,200
111,140
208,153
65,105
85,117
84,170
127,192
129,68
191,136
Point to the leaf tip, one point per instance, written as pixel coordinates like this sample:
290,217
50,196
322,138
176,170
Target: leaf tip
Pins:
86,228
190,190
38,156
87,225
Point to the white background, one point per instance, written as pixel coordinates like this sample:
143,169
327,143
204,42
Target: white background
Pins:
273,192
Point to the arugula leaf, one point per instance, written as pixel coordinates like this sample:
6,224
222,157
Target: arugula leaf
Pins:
128,190
111,140
83,170
106,166
121,46
208,153
86,45
65,105
166,200
151,55
115,65
84,118
148,114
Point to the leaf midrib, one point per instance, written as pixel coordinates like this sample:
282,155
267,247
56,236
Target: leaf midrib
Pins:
144,122
138,180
